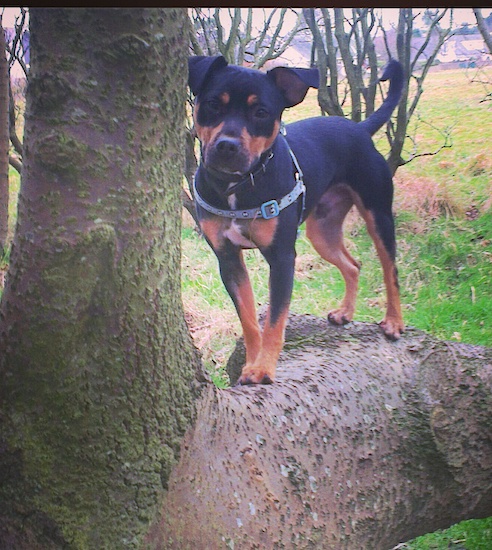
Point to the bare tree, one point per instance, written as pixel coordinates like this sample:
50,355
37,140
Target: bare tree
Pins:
416,64
326,58
4,145
243,35
348,42
482,27
484,31
16,52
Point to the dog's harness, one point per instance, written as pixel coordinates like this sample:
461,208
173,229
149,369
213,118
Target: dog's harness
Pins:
267,210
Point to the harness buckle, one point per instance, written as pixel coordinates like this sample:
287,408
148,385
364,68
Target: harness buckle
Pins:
270,209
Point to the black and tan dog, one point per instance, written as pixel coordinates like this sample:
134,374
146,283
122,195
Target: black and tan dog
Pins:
255,185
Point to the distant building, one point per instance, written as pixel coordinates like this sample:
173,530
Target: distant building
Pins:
464,48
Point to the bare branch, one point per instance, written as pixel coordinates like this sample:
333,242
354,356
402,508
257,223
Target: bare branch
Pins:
15,163
444,34
445,133
480,77
195,45
278,45
343,40
326,60
442,37
16,50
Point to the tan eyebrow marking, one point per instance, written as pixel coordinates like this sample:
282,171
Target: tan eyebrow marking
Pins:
225,98
252,99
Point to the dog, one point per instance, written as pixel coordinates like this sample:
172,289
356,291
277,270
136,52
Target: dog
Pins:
256,183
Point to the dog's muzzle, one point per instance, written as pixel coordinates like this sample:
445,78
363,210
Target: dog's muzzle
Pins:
227,155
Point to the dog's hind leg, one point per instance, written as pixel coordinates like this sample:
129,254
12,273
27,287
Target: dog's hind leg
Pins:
381,227
324,228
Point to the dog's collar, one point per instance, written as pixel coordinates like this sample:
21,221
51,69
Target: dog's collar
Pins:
267,210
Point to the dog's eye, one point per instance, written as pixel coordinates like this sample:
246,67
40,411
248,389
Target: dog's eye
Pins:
213,106
261,113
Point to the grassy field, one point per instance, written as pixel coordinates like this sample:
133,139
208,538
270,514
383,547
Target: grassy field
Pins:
444,232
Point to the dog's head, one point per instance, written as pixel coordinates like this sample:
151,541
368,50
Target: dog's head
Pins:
238,110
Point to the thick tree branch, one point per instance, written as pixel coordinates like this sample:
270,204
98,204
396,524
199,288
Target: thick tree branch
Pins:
326,62
361,443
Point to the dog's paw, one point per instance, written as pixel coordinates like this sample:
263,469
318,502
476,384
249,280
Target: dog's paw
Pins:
255,375
339,316
392,328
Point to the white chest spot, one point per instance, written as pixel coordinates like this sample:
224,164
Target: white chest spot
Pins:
235,234
237,230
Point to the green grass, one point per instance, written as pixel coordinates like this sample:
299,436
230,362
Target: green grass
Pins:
14,184
468,535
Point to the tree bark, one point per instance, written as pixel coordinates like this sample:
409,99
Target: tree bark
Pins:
325,61
403,48
4,143
98,375
360,443
350,68
482,27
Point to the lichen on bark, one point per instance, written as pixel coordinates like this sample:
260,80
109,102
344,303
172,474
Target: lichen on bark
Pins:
92,329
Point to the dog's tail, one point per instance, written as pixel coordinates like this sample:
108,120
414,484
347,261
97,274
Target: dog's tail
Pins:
394,73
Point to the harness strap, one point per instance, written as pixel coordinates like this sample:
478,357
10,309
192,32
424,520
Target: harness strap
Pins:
267,210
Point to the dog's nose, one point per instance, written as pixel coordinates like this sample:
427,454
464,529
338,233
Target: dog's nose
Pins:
227,146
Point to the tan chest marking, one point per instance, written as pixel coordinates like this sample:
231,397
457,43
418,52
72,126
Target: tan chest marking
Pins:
244,233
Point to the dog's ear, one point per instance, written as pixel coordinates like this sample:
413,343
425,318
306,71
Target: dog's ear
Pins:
294,83
199,67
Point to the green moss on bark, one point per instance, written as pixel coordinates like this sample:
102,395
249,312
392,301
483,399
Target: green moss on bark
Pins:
99,375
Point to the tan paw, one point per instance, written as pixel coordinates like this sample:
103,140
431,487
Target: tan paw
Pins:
253,374
392,328
340,316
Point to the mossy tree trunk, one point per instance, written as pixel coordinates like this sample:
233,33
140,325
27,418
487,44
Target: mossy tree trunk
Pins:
361,443
4,144
98,375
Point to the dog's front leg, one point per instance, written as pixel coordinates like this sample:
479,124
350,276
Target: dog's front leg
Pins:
236,281
262,370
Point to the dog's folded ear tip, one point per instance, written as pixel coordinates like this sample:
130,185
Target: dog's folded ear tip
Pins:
200,66
207,61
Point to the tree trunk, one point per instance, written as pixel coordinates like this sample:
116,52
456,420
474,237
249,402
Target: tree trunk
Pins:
403,46
360,443
350,68
98,375
4,143
326,61
482,27
372,60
